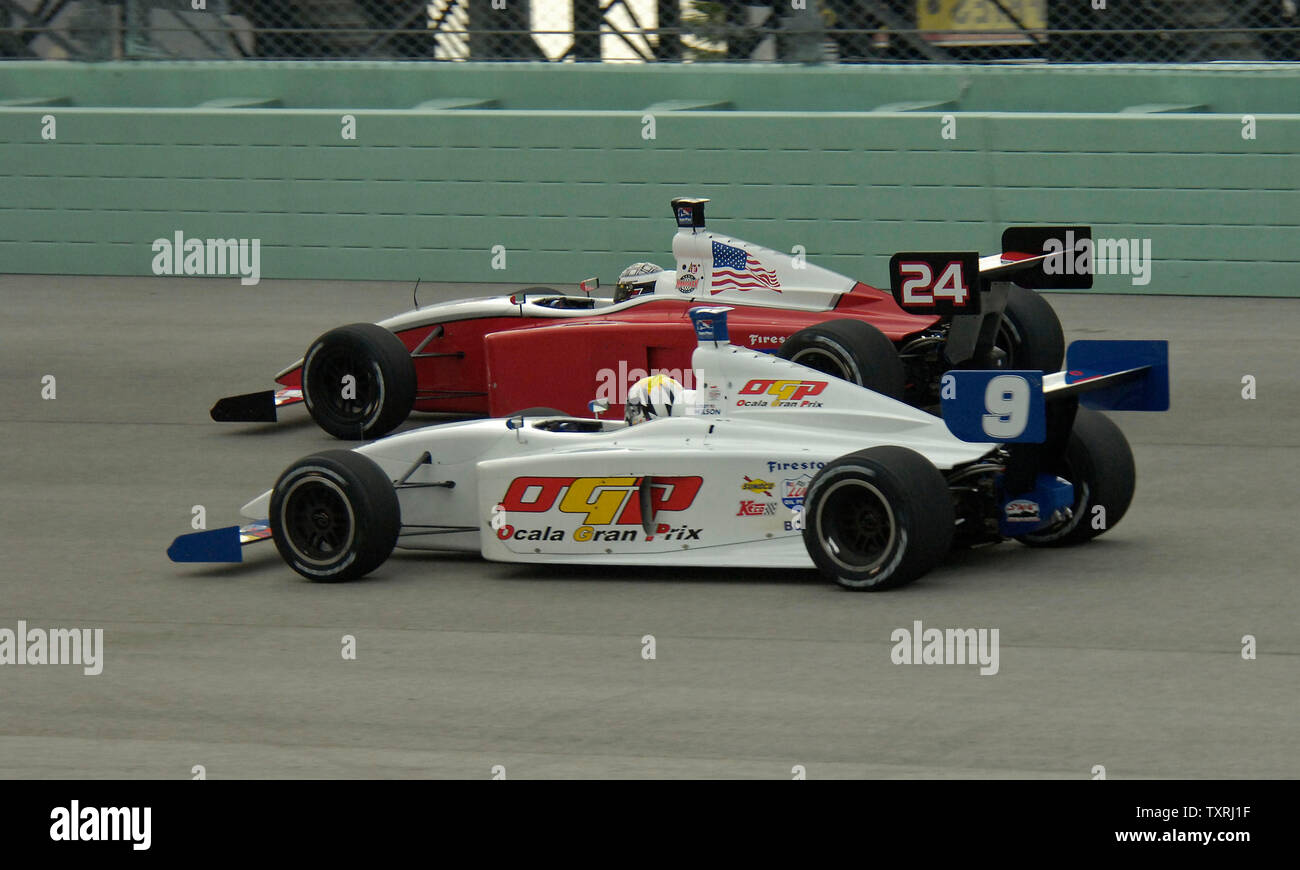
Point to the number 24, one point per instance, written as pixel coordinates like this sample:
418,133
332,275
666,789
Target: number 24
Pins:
921,288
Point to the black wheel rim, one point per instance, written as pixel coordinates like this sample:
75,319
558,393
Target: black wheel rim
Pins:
1007,341
856,525
317,520
329,367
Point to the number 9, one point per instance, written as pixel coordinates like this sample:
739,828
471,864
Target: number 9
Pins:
1006,398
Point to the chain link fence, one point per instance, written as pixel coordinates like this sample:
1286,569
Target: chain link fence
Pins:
650,31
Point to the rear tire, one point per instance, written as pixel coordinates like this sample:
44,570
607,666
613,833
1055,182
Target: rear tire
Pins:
334,516
878,518
1099,463
852,350
384,381
1030,333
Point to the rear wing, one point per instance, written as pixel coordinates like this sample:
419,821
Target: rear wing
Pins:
1033,414
1019,407
1114,375
950,283
971,291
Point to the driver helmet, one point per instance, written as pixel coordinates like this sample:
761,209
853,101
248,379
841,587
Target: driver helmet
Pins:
638,279
652,397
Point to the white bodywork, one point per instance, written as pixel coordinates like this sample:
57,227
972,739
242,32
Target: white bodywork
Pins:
746,444
768,278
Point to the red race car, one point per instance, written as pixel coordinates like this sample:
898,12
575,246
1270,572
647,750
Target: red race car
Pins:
497,355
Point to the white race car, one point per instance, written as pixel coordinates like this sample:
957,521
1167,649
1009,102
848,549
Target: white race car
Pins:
774,465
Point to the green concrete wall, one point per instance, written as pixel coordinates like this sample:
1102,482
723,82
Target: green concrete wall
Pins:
559,174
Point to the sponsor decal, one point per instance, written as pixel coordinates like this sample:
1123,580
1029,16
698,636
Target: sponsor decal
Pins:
755,339
756,509
1022,510
687,283
737,269
781,393
794,489
757,485
684,216
258,531
600,501
705,330
546,534
807,465
585,534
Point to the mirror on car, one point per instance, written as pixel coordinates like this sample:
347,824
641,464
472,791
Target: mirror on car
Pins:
598,406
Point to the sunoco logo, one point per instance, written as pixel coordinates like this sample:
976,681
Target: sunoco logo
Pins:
781,394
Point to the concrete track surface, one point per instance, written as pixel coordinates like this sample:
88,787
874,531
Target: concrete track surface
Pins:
1124,653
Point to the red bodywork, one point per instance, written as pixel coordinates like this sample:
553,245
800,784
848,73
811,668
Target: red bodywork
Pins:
512,363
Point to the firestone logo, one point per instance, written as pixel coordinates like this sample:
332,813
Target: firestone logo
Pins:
783,393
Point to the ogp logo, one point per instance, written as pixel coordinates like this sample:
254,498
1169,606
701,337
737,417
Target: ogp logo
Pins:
783,391
599,499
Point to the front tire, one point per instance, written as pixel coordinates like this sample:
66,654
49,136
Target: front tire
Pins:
381,392
1099,463
852,350
878,518
334,516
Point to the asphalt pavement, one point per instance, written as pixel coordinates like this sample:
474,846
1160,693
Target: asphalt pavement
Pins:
1125,653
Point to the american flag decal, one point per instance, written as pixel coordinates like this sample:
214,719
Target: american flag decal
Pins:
736,268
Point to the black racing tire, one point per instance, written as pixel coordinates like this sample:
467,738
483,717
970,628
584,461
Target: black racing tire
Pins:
385,381
1030,333
878,518
852,350
334,516
539,412
1099,463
